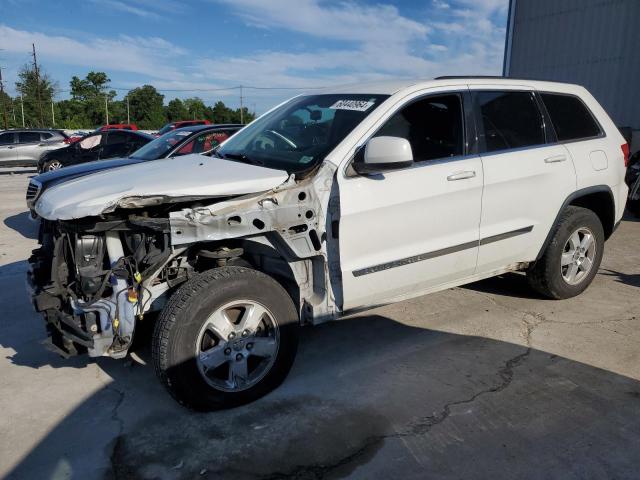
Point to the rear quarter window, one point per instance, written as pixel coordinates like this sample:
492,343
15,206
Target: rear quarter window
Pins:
570,117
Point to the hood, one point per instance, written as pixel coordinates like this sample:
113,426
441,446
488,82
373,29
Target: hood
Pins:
151,183
54,177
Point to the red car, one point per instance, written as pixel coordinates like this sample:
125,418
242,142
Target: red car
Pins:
180,124
118,126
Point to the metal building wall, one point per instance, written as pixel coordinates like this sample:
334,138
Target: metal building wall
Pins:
594,43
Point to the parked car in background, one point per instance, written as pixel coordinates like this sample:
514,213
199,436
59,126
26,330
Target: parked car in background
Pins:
181,124
96,146
199,139
632,178
23,148
328,204
118,126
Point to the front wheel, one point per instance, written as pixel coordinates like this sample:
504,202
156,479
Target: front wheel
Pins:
52,165
227,337
573,256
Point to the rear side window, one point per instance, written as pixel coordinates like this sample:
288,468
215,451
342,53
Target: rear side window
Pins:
509,120
570,117
6,138
28,137
116,137
46,136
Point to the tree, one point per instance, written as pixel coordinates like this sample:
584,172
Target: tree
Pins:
91,92
146,106
196,108
37,94
176,110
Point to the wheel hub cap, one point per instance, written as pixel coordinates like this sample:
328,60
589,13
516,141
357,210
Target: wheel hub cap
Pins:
578,256
237,345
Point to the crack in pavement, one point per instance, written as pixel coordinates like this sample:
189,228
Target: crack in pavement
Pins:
414,429
115,416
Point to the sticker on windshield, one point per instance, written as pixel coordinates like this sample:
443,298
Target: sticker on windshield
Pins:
357,105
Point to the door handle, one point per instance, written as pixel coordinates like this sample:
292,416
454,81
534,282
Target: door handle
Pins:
555,158
461,175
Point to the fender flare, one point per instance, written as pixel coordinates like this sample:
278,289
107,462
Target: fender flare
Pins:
575,195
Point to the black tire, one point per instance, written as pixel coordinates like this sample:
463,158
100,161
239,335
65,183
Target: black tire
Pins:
176,335
545,276
46,167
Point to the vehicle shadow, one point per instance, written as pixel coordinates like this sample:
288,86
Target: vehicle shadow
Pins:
23,224
513,284
368,397
632,279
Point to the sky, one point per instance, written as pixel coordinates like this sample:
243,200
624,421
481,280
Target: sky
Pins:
189,48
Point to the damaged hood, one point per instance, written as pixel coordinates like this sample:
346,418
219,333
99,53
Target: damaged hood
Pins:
151,183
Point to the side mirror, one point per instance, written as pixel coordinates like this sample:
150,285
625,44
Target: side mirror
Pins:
384,153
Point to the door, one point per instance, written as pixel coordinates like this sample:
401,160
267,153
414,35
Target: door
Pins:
88,149
406,231
7,147
115,145
527,176
28,148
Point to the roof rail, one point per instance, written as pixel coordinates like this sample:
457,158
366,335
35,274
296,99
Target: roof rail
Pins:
454,77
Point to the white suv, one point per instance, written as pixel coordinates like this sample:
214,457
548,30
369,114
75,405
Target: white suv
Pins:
329,203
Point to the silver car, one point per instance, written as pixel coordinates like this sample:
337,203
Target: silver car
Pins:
23,148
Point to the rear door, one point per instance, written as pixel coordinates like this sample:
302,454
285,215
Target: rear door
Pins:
7,147
527,175
115,145
27,150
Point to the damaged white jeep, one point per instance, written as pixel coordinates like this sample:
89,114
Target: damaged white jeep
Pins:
327,204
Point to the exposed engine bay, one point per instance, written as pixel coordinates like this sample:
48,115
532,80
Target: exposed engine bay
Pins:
95,278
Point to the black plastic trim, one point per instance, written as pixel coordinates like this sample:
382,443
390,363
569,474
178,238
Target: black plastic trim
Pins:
577,194
438,253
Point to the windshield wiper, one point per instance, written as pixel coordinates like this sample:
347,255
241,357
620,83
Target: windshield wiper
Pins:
240,157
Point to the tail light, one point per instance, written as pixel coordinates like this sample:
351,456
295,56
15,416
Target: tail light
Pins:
625,153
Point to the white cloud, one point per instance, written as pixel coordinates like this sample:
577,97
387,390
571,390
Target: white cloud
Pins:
140,55
377,42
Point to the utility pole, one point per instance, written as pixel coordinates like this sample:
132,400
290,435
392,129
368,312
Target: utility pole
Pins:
128,121
241,112
22,109
53,115
35,67
106,108
4,106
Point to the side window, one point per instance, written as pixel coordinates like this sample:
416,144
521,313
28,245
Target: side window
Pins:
510,120
434,127
6,138
114,138
28,137
570,117
46,136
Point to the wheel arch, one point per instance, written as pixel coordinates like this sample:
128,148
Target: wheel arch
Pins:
599,199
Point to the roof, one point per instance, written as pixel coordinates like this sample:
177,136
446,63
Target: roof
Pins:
394,86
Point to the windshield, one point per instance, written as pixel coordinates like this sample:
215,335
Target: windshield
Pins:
299,134
161,146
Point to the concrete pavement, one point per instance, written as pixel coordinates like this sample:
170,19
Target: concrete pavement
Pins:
482,381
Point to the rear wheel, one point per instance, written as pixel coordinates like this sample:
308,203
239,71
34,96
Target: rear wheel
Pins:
573,256
227,337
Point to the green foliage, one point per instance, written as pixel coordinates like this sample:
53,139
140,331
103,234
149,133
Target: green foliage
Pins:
37,93
147,109
86,106
176,110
